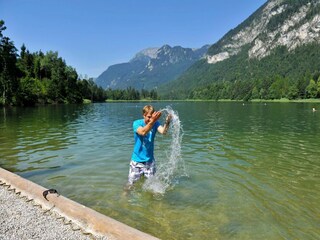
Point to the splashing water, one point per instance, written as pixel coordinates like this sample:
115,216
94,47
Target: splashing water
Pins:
173,166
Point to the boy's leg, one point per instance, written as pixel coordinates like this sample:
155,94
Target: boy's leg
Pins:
135,172
149,169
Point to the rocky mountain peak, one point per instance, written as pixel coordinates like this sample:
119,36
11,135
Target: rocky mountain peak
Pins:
151,67
146,54
276,23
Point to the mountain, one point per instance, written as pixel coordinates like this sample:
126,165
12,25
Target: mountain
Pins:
282,38
289,23
151,67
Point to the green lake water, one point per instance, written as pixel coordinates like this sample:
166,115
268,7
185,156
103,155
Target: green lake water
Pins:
249,171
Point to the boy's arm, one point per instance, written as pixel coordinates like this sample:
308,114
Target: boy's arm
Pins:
163,129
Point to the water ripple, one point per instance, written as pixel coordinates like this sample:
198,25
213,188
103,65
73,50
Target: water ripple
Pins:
253,169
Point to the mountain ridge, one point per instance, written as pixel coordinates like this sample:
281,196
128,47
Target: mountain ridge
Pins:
257,51
151,67
264,33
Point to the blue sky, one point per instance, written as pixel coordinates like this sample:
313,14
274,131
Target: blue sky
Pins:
91,35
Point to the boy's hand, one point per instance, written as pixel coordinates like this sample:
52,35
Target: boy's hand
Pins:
155,116
168,119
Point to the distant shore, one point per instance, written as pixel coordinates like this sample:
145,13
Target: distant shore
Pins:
310,100
282,100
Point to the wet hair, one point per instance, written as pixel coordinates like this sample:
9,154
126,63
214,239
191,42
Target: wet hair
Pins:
147,109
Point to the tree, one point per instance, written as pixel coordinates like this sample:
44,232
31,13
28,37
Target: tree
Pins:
255,93
153,94
8,70
279,88
25,63
311,89
2,28
318,87
29,91
293,92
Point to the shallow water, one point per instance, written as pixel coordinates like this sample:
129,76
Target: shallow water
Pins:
249,171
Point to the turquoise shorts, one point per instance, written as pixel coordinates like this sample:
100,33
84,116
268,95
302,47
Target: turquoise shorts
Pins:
139,169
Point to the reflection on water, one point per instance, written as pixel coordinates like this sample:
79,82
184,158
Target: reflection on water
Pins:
252,170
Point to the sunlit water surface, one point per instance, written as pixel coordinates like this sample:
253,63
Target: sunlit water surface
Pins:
248,171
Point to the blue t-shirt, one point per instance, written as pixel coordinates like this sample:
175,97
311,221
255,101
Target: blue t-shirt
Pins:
143,145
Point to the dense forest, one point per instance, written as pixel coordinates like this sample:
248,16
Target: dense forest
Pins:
27,79
282,74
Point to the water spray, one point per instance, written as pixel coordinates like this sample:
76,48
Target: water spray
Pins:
173,166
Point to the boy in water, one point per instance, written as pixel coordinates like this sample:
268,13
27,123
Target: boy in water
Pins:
142,160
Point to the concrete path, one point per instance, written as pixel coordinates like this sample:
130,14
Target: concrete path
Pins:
27,212
20,219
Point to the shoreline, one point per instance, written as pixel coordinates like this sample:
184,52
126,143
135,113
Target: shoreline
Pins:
21,218
27,214
282,100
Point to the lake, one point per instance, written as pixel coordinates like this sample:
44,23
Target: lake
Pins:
246,171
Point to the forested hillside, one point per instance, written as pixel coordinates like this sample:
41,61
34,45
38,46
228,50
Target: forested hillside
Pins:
282,74
273,54
37,78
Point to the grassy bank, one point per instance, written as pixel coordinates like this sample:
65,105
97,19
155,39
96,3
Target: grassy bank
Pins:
282,100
